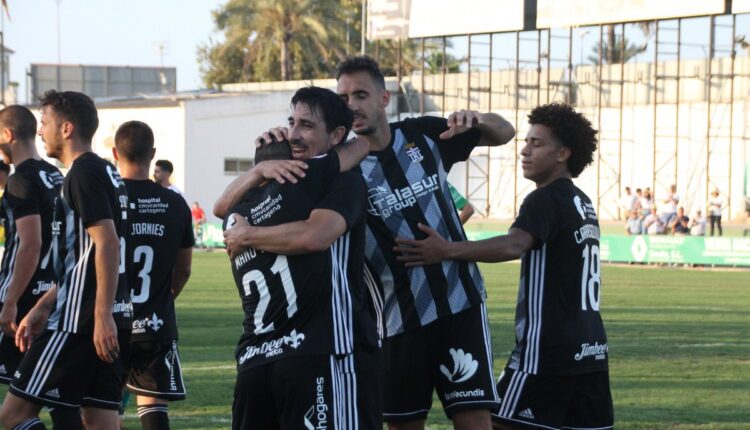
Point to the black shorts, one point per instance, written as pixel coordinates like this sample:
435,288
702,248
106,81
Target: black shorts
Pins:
452,355
308,392
10,357
62,369
555,401
155,370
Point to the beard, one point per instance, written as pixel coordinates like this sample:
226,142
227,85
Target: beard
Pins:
367,131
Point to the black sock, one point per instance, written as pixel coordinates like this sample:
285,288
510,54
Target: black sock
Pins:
31,424
66,418
154,417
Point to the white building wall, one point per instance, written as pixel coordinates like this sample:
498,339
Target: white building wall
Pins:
226,127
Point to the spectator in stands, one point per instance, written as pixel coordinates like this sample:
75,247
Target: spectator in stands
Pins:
652,224
669,211
698,224
163,170
199,221
628,201
634,225
715,207
680,225
647,202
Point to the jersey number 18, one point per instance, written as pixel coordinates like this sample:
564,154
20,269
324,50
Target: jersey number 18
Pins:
591,279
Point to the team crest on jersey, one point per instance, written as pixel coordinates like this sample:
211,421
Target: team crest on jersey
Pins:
415,155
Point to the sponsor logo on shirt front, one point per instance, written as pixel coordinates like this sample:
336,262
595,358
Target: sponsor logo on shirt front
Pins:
42,287
599,352
316,418
272,347
383,203
585,209
154,322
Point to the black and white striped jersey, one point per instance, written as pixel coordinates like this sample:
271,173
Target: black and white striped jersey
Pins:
406,185
31,190
92,191
306,304
160,225
558,326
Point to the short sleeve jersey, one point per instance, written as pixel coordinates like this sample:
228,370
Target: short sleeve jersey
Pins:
304,304
93,191
160,225
407,185
31,190
558,326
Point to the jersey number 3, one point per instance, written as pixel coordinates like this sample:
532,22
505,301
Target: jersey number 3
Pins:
280,267
591,278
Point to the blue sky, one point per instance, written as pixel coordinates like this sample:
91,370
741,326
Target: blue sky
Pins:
116,32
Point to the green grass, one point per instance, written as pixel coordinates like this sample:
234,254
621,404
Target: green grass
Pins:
679,345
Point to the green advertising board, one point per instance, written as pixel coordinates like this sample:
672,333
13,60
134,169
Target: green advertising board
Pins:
713,251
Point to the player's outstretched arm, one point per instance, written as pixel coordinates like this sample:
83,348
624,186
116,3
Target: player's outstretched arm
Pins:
316,233
434,248
29,229
351,153
280,170
107,262
495,130
182,269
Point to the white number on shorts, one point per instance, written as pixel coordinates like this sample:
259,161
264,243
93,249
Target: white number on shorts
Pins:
145,253
591,279
280,267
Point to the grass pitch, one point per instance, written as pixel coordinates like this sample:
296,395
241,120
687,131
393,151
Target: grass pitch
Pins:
679,345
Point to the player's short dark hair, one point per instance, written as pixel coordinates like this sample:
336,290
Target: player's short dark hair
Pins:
273,151
19,119
134,140
361,63
573,131
335,111
165,165
75,107
4,167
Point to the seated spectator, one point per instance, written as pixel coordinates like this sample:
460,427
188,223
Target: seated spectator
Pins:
634,225
680,224
652,224
698,224
647,202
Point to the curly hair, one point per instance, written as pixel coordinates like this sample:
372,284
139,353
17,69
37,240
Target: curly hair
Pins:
361,63
572,129
75,107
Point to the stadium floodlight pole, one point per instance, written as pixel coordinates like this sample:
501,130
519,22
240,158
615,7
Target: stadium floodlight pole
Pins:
363,29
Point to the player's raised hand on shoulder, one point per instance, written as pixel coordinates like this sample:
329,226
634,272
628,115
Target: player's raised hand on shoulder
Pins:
277,134
282,170
234,234
430,250
461,121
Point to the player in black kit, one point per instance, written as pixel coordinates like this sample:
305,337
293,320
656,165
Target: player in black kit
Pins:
160,248
28,202
308,357
78,360
557,376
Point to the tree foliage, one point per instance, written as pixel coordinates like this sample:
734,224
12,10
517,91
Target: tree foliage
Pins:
268,40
